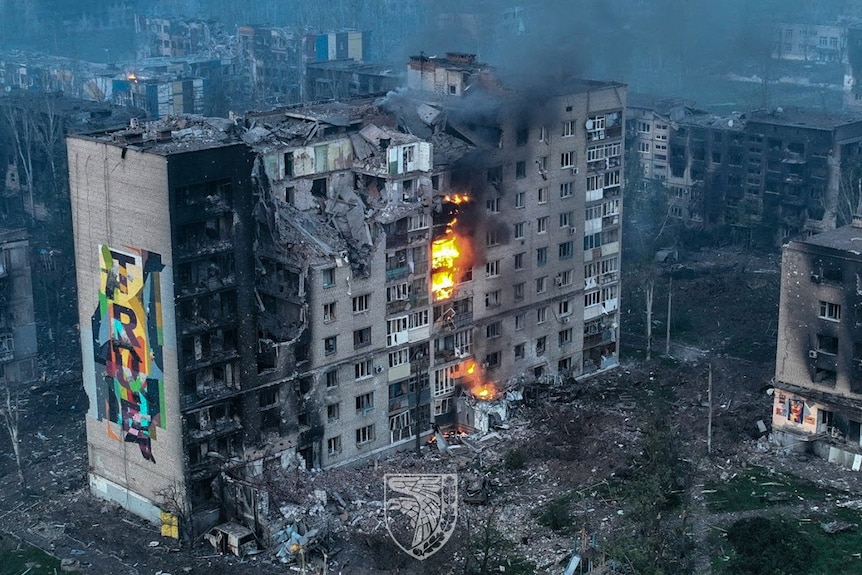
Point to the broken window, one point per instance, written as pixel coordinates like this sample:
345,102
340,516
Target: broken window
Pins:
333,445
399,357
268,397
362,337
519,351
519,261
830,311
396,331
833,274
519,230
328,277
363,369
365,434
443,406
492,269
541,255
519,321
318,188
825,376
329,312
542,284
492,238
365,402
331,378
360,303
330,345
492,360
565,336
542,225
827,344
540,345
419,319
520,170
333,412
541,315
493,330
492,298
518,289
542,195
288,165
492,205
564,365
519,200
521,137
495,174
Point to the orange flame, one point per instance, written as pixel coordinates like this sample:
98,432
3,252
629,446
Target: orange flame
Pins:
444,257
485,392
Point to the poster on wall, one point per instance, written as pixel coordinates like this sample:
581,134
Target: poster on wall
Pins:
128,345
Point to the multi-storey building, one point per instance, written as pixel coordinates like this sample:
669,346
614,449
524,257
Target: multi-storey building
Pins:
779,170
817,402
18,348
273,59
313,285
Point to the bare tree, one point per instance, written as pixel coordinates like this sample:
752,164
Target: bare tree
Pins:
172,499
10,411
21,127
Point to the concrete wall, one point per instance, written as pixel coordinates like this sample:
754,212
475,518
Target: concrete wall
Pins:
120,201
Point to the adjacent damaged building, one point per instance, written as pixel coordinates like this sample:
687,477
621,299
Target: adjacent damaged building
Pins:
312,286
818,374
781,172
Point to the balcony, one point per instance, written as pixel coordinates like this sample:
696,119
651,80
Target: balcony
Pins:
397,273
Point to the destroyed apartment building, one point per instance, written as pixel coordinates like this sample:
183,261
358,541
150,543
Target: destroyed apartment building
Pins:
313,286
783,171
817,403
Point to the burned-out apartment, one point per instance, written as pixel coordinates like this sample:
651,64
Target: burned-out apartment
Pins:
18,347
817,402
781,171
312,286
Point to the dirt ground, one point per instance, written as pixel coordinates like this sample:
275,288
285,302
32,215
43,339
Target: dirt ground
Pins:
570,444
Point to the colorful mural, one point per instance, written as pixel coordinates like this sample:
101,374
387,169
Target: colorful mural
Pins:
128,342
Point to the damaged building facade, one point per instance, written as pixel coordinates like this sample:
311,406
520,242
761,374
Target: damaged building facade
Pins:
817,402
313,286
782,171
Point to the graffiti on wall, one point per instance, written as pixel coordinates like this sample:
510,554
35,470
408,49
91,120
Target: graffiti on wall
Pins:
128,342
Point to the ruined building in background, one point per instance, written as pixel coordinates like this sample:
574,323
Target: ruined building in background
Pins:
273,60
17,321
818,374
783,172
311,286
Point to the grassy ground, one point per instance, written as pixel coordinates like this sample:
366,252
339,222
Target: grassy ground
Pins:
775,527
26,559
761,489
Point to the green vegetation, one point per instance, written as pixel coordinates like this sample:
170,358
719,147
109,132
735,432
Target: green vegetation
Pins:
557,515
759,489
660,540
515,459
23,557
783,546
